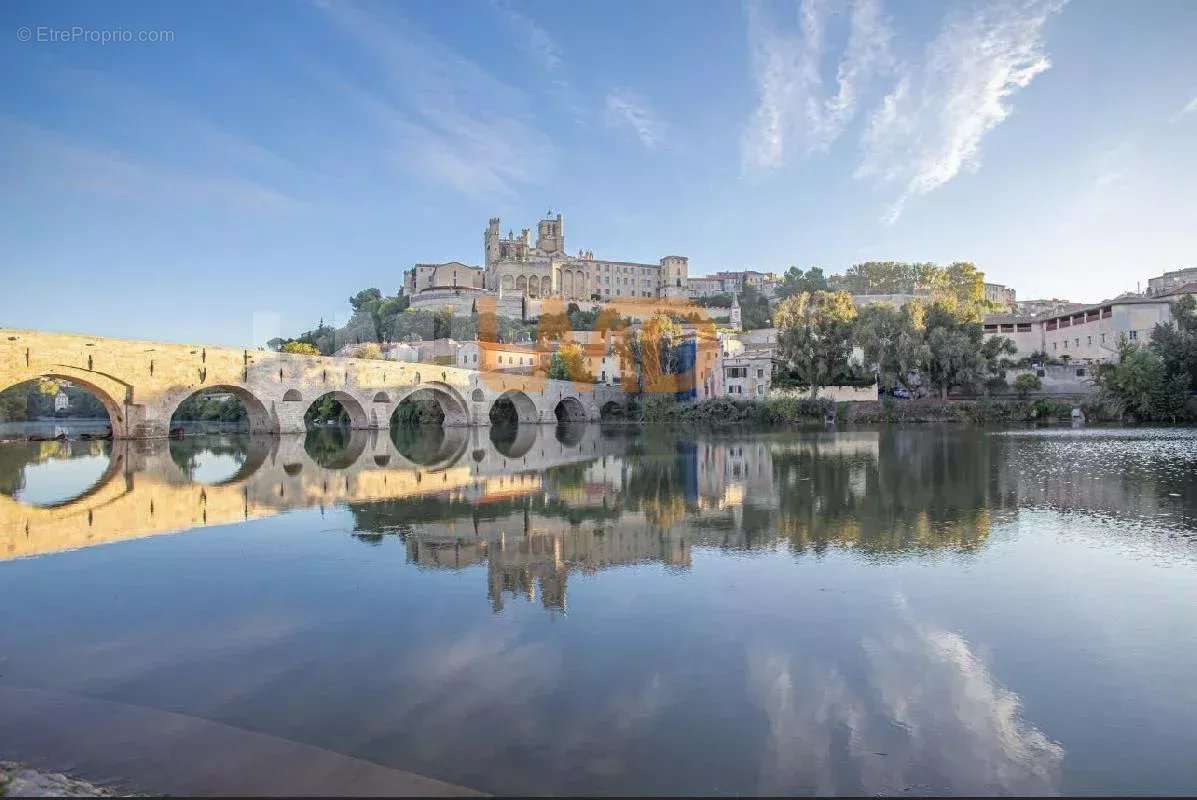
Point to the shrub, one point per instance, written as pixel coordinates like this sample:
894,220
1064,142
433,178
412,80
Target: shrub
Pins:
1026,383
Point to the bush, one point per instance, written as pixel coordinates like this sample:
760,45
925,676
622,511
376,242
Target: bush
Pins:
1026,383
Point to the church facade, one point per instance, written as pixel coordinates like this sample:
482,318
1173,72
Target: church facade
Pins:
514,264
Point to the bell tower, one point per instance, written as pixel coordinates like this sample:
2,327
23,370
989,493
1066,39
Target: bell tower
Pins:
550,235
490,243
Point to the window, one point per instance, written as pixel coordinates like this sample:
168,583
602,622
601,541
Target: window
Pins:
1024,327
1133,335
1077,341
1103,338
737,372
1089,340
1054,345
760,389
760,373
1065,344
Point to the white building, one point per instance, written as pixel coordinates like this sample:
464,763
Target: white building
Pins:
1089,333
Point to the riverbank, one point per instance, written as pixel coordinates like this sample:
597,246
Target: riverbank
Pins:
791,411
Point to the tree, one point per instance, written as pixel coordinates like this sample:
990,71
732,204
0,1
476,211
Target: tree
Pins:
954,360
569,364
795,281
1026,383
300,348
1138,383
892,341
814,335
366,299
651,351
997,355
1176,342
754,310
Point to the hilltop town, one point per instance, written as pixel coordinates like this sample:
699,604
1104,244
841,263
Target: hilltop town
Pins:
532,306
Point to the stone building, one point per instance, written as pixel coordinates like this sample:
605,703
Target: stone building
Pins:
452,284
1000,295
516,265
1170,281
726,282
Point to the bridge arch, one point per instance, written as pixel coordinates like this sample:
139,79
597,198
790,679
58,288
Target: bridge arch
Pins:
570,409
111,393
525,409
258,417
452,405
354,410
292,396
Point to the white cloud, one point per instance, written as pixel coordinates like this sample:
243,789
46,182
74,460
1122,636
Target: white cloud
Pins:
930,127
443,116
794,111
1189,108
632,111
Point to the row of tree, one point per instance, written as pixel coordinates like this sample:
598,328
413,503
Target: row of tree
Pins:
824,339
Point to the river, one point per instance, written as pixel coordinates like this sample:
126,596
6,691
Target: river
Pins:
926,610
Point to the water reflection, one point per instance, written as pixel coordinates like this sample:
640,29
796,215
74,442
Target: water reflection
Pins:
588,609
467,491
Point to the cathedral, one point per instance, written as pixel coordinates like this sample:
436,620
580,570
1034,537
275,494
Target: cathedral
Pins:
514,265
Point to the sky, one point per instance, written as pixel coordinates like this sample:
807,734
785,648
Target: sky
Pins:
222,173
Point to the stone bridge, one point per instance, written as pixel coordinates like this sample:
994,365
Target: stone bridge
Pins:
142,383
144,492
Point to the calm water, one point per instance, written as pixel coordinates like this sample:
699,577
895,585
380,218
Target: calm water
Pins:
921,610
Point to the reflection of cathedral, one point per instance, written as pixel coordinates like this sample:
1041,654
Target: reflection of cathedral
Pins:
539,560
515,265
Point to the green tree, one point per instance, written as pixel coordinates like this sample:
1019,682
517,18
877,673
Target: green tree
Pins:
754,310
366,300
814,335
892,341
795,281
997,355
1026,383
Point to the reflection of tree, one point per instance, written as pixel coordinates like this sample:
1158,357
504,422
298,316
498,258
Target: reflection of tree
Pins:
927,489
329,447
15,458
419,444
186,453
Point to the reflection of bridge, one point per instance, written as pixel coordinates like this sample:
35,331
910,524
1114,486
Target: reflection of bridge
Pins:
142,383
145,492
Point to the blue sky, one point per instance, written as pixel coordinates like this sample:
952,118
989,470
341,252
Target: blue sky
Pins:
272,159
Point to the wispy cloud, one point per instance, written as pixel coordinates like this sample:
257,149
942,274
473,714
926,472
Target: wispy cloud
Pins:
625,109
530,36
443,116
59,165
931,125
1190,107
795,112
